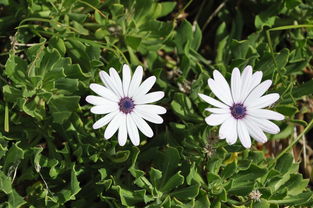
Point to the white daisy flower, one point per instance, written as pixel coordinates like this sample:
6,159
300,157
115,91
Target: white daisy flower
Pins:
240,113
125,103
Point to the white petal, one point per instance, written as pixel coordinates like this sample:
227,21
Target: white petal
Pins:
216,119
135,82
104,120
97,100
219,92
256,79
122,131
212,101
264,101
246,82
104,92
116,81
148,116
258,91
113,126
218,110
104,109
228,130
149,98
223,85
265,125
144,87
255,131
235,85
132,130
243,134
126,79
264,113
155,109
142,125
109,83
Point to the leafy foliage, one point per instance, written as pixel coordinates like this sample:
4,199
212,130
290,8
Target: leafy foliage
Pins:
52,50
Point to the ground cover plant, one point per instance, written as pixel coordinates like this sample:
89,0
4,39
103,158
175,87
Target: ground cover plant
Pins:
52,156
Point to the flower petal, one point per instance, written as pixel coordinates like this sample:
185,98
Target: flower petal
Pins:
265,124
149,98
132,130
144,87
148,116
113,126
236,85
212,101
219,92
218,110
135,82
104,92
228,130
104,109
116,81
264,113
223,85
257,92
97,100
109,83
263,101
122,131
155,109
104,120
126,79
243,134
216,119
246,82
256,79
255,131
142,125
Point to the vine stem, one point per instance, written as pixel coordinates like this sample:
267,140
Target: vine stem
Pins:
307,128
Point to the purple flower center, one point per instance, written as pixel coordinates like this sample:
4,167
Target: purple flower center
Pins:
238,111
126,105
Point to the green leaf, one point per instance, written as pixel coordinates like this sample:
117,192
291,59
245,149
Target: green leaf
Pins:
5,183
129,198
164,8
14,156
75,188
11,93
261,204
296,184
120,156
61,107
187,193
155,176
173,182
15,200
58,43
294,200
287,110
229,170
284,163
304,89
15,68
133,41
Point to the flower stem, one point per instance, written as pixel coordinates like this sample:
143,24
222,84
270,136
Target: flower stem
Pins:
307,128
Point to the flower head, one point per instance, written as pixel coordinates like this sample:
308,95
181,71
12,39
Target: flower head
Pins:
241,112
125,103
255,195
